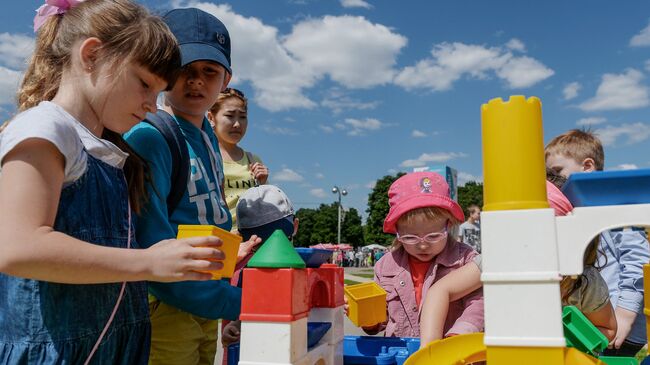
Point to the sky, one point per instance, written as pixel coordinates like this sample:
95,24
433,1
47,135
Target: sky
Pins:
344,92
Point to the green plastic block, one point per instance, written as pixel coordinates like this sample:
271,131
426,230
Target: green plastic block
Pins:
613,360
580,333
277,252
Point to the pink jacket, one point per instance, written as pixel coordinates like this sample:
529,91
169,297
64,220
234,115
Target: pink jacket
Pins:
393,274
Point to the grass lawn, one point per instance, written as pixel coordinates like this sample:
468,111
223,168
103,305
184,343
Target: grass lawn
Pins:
350,282
369,275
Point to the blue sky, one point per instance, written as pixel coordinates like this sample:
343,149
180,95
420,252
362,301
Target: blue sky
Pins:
345,92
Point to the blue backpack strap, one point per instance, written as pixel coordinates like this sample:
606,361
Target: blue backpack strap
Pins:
170,130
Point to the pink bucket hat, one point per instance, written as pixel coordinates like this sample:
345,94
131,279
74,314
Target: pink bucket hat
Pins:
419,190
557,200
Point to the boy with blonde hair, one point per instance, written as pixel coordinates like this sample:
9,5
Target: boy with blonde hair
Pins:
621,253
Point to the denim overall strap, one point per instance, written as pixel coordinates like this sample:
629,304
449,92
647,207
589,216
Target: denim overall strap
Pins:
50,323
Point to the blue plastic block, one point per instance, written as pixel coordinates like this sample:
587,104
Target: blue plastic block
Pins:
590,189
233,354
316,331
378,350
314,257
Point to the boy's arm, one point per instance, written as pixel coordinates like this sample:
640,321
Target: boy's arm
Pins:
211,299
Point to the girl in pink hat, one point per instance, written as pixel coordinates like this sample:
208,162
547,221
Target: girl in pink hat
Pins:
588,292
421,216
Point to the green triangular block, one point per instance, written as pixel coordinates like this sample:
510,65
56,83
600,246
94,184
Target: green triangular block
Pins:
277,252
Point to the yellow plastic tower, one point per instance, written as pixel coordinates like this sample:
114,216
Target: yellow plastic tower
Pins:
513,154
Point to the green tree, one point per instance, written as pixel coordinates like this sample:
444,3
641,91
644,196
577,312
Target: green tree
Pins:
306,219
377,211
470,193
325,224
351,228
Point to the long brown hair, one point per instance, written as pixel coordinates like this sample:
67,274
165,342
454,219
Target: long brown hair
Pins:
128,34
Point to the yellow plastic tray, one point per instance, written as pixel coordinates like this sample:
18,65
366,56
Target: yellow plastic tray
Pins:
367,304
230,246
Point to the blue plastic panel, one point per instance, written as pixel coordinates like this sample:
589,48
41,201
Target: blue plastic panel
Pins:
589,189
314,257
362,350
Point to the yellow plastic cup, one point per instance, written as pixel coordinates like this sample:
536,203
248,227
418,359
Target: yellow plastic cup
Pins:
230,246
367,304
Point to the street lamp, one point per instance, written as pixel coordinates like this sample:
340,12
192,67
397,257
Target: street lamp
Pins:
336,190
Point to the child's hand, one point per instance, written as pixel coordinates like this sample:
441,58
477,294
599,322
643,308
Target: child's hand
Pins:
346,306
178,260
231,333
248,247
260,172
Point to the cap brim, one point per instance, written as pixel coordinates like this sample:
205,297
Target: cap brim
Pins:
192,52
420,201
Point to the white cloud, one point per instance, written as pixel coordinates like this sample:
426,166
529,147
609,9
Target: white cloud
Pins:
464,178
287,174
359,127
319,193
355,4
425,158
633,133
326,128
452,61
280,130
642,39
418,134
9,82
277,77
521,72
516,45
320,176
619,91
338,101
625,166
590,121
15,49
371,184
341,47
570,91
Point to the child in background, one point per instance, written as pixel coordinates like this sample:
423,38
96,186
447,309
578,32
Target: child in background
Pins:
184,316
470,231
68,184
421,215
242,169
621,253
588,292
262,210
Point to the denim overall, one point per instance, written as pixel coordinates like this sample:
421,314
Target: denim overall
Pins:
49,323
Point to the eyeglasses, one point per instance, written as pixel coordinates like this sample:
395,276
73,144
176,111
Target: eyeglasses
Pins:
232,90
431,238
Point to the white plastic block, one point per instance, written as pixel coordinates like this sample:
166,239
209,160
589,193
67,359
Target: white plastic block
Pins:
273,342
335,316
575,231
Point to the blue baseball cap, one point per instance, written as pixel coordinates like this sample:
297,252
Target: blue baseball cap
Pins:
201,36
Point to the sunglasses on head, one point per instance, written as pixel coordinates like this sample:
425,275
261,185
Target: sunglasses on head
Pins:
232,90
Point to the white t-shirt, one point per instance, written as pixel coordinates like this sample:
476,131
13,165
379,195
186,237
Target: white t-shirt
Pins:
51,122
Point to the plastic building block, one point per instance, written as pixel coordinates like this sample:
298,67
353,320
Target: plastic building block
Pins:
513,154
230,246
316,331
314,257
608,188
580,333
367,303
326,286
461,349
613,360
277,252
378,350
646,361
274,295
233,353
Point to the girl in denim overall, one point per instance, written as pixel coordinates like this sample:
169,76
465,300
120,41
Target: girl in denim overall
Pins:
72,285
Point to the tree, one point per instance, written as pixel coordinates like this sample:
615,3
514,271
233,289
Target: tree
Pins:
351,229
377,211
470,193
306,218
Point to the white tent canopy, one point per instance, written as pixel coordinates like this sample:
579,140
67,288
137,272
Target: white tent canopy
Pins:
375,246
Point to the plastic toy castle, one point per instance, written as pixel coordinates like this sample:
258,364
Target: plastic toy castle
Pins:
294,315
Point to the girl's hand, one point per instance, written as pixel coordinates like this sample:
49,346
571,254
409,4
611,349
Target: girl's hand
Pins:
624,319
260,172
248,247
231,333
178,260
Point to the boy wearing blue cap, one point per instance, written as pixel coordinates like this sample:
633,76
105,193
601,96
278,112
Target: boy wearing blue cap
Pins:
184,315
